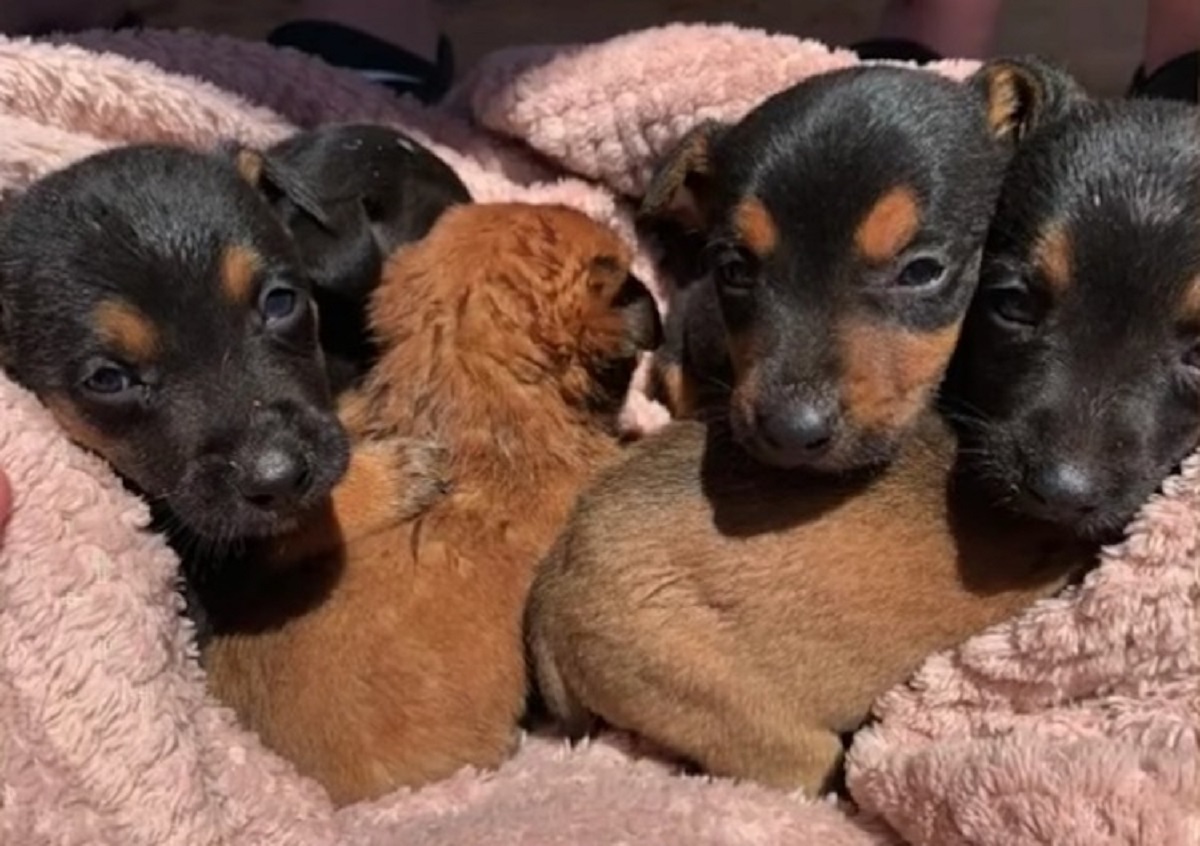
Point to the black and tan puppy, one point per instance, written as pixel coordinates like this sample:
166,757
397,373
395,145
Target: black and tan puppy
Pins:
1077,386
839,227
163,303
152,299
761,628
351,195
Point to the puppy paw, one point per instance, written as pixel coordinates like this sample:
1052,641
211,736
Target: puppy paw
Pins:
420,474
389,480
642,416
644,412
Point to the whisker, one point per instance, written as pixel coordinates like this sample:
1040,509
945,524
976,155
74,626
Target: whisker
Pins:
718,383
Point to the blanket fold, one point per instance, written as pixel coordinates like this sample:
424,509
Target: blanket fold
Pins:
1077,722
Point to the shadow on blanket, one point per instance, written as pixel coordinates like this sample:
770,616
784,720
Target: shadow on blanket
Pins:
1076,723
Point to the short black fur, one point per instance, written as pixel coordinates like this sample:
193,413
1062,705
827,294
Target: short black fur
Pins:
228,422
351,195
1077,399
818,157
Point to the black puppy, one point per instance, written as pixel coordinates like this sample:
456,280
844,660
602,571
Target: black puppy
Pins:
838,228
351,194
153,300
1077,382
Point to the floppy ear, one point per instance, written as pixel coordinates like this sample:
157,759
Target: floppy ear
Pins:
681,188
334,237
266,173
1023,92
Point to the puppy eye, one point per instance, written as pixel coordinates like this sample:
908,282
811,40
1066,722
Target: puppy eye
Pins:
108,379
923,272
734,270
1012,306
279,303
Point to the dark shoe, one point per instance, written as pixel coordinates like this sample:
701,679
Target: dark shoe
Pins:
374,58
895,50
1178,79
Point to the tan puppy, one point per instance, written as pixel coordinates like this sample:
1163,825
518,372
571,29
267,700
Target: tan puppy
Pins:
743,617
509,336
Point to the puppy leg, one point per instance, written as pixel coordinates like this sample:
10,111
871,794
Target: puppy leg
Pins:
732,730
571,716
795,757
693,693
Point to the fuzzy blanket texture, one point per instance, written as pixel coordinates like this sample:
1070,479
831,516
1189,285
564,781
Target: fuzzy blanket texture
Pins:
1074,724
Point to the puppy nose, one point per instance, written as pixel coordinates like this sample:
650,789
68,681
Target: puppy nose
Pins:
274,477
1065,488
806,428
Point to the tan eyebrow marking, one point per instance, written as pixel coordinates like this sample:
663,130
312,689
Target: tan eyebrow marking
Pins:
889,226
128,329
239,266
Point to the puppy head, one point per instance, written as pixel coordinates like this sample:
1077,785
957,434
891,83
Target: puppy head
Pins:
153,302
350,195
842,223
544,293
1077,382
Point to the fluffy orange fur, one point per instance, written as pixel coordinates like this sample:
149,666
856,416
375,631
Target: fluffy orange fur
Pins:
508,340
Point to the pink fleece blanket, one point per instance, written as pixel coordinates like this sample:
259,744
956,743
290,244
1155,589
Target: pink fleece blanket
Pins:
1073,724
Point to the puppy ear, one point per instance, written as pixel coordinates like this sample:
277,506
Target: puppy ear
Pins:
1023,92
273,178
334,237
681,188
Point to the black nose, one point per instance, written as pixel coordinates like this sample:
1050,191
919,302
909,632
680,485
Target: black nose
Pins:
274,477
804,429
1066,489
